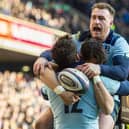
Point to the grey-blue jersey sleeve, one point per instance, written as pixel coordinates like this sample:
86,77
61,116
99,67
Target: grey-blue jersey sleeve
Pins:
111,85
120,59
47,54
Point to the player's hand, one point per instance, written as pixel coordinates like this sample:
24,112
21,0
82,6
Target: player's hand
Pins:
40,65
90,69
54,65
69,97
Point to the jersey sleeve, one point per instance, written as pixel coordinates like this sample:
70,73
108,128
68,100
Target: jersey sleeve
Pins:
119,70
124,88
121,47
47,55
111,85
120,59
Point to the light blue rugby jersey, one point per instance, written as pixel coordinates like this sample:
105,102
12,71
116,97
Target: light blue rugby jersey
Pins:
81,115
120,47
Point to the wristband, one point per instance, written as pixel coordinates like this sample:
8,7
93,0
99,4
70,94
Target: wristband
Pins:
59,89
96,79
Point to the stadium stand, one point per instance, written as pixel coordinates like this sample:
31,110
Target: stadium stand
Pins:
20,100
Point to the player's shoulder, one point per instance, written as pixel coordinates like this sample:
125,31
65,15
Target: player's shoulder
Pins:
110,84
118,38
114,39
84,35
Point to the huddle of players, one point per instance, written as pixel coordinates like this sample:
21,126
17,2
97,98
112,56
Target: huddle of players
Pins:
115,45
85,111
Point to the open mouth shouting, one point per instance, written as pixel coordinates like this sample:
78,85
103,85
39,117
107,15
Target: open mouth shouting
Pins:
97,29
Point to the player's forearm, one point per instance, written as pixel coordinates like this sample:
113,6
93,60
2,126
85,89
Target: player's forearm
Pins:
119,70
45,121
49,78
124,88
103,97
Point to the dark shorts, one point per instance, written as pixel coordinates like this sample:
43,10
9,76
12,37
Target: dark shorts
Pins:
116,110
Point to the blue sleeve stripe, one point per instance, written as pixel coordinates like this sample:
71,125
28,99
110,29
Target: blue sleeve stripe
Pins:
119,70
124,88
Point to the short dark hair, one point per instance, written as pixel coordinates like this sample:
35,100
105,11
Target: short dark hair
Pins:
92,49
64,51
102,5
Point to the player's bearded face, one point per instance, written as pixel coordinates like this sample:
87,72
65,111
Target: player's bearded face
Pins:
100,23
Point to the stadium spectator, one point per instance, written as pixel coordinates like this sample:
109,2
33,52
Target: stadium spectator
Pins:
55,14
20,100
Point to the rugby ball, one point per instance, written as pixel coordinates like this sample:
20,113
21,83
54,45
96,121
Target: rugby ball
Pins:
73,80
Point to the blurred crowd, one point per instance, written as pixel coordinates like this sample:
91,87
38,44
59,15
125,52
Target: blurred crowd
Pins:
20,100
53,14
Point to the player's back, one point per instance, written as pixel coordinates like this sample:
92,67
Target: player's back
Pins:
84,113
81,115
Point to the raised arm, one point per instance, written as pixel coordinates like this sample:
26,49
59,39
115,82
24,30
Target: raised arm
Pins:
117,64
119,70
42,62
103,97
119,55
49,78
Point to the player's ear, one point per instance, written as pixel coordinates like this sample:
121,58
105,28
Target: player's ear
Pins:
111,21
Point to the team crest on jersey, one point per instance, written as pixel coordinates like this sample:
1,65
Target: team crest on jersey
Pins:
107,48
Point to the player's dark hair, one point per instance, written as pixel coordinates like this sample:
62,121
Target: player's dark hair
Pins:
92,49
64,51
